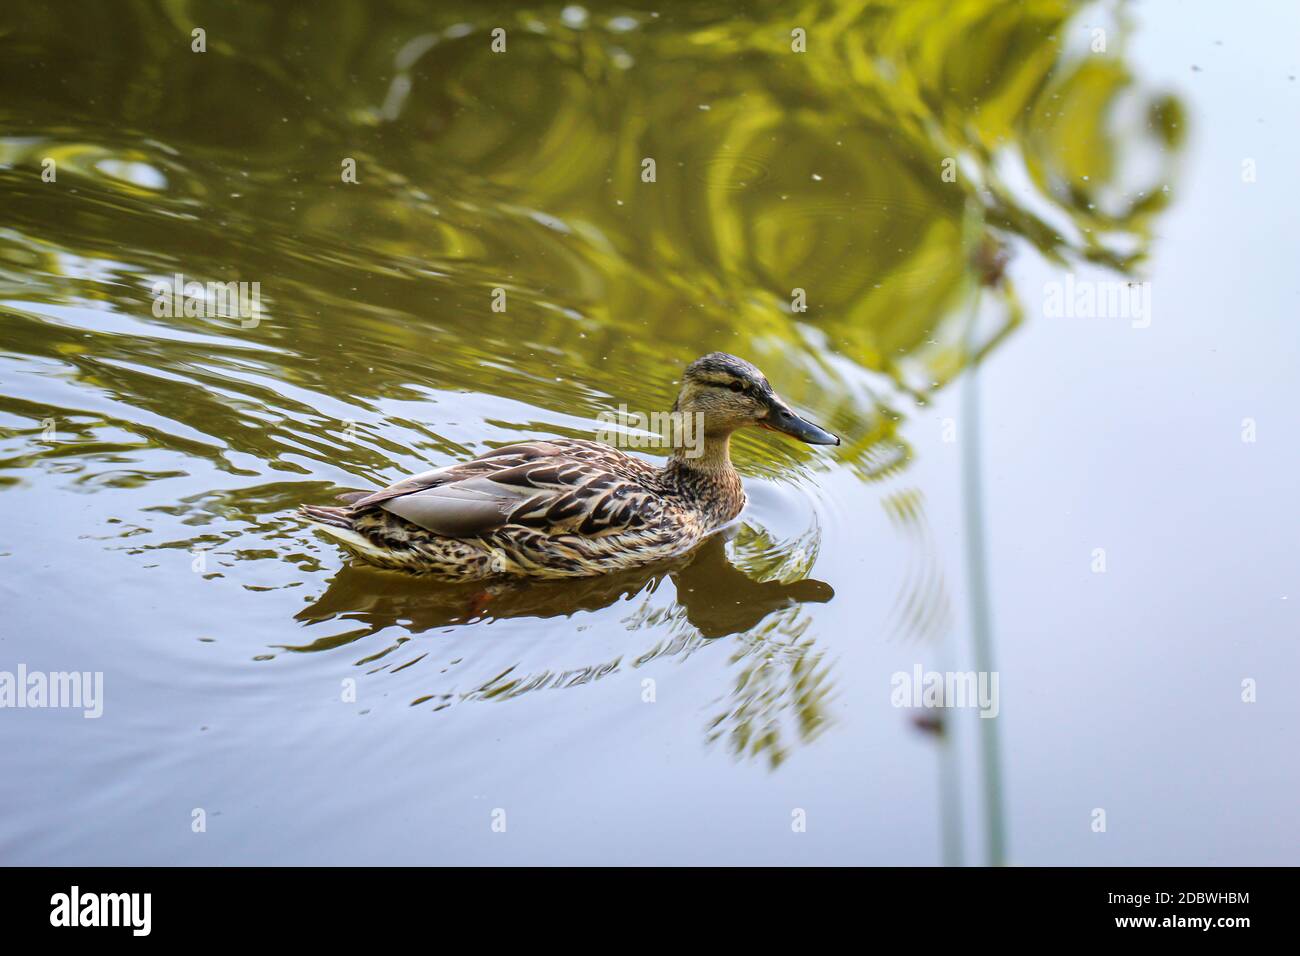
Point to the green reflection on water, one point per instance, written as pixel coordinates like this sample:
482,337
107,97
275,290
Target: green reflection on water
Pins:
775,171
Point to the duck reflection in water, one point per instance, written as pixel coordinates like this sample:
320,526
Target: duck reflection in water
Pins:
779,684
718,598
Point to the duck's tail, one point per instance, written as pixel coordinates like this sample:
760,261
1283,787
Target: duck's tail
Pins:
323,514
337,523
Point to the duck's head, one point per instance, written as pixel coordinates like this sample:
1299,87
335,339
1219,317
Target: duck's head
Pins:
731,393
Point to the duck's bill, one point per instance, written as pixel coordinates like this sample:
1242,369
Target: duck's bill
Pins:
788,423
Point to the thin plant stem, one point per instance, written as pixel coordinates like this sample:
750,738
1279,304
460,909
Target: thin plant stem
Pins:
978,586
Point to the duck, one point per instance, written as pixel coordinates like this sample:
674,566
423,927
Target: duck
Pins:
572,508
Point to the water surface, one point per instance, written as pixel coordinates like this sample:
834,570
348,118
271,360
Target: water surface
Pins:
923,173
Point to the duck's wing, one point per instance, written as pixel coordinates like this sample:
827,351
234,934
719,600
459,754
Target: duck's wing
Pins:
499,459
536,485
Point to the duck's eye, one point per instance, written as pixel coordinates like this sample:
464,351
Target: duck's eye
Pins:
736,387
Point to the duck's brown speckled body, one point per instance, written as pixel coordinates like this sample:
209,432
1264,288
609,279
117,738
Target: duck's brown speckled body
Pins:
561,507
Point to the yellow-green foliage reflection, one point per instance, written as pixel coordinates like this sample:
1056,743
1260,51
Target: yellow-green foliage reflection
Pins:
775,170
